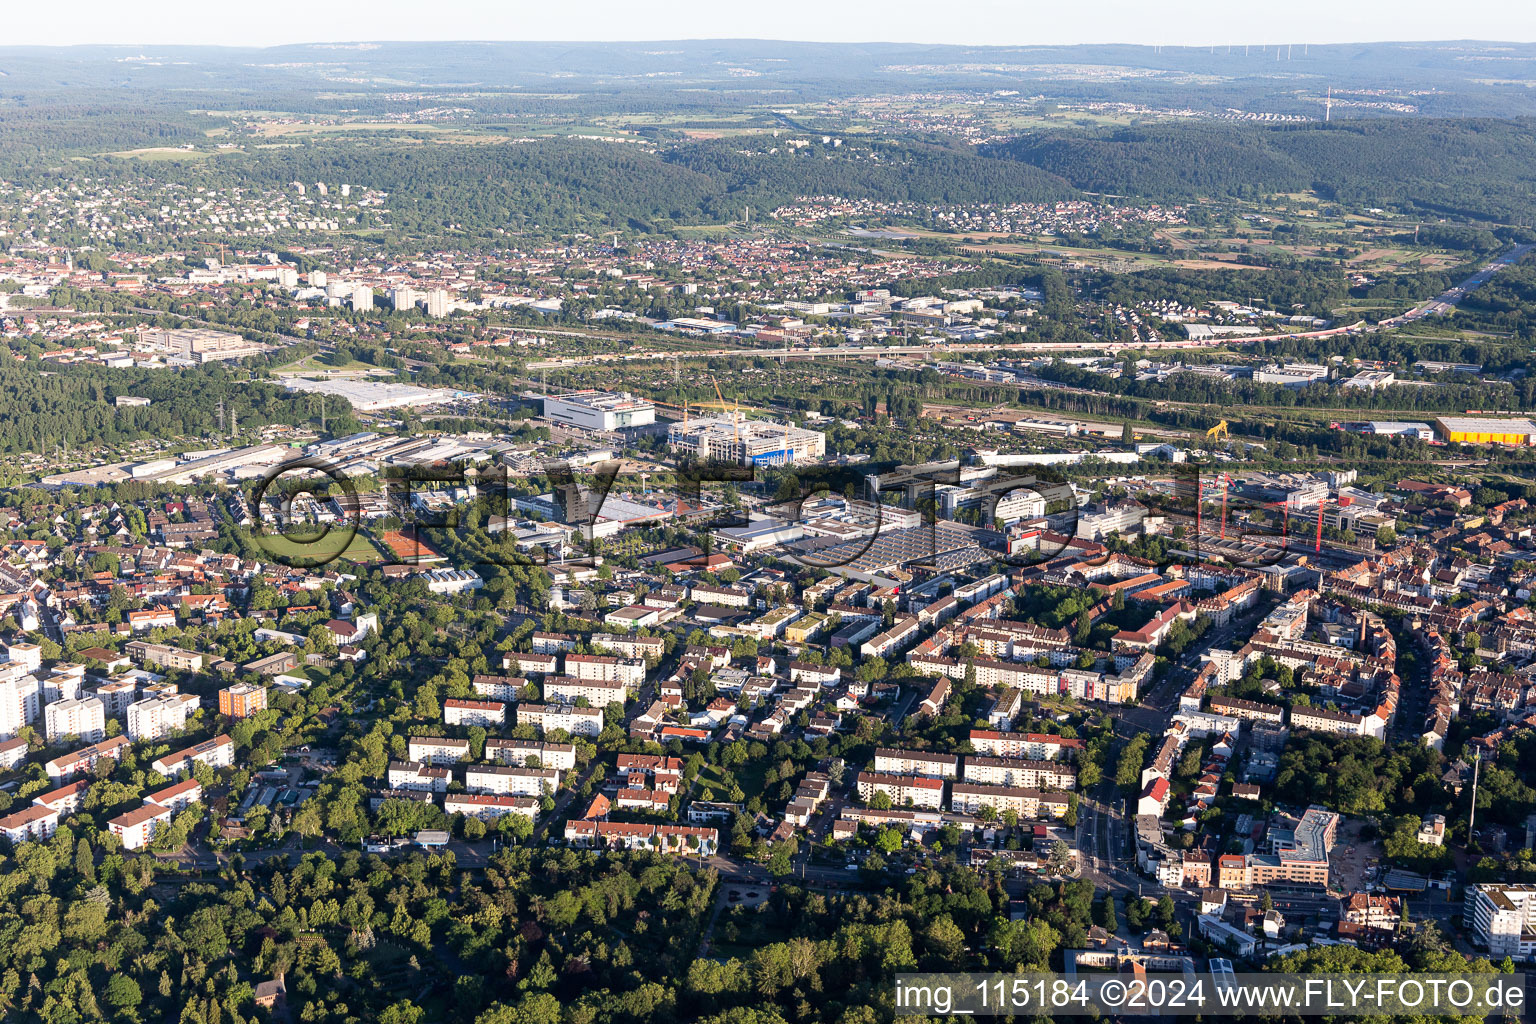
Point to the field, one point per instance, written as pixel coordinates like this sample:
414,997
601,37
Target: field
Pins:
159,154
332,545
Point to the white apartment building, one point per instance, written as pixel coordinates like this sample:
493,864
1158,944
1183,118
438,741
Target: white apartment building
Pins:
599,694
423,778
21,699
177,797
499,688
136,828
969,798
561,756
86,719
81,760
63,684
490,806
507,780
629,671
35,822
527,663
920,790
630,646
1013,771
218,752
1031,745
1504,919
29,656
915,762
488,713
154,717
115,695
437,750
574,721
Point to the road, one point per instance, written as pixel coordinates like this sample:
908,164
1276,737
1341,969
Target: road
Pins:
1446,302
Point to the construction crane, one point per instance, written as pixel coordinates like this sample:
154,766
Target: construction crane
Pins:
1218,432
734,410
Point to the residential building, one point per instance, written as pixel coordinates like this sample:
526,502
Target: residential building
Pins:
242,700
137,828
487,713
437,749
218,752
85,719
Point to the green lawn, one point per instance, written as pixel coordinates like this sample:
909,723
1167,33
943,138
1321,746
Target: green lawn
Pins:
298,547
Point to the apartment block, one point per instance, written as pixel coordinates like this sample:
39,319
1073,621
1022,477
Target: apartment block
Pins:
505,779
575,721
1033,746
1503,919
154,717
889,761
520,753
969,798
137,828
437,750
177,797
902,789
488,713
242,700
417,776
218,752
568,690
81,760
1013,771
86,719
30,823
490,806
601,667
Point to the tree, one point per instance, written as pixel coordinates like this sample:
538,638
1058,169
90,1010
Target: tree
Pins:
123,993
85,861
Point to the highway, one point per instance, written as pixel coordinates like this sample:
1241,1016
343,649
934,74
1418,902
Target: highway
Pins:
1445,303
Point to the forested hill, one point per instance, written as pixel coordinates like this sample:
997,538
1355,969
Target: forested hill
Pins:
1478,168
563,184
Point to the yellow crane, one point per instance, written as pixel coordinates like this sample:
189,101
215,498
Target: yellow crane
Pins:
1217,432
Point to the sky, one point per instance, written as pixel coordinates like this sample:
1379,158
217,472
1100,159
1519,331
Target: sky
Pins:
1166,22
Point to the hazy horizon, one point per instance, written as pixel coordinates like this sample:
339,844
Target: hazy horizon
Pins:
1201,23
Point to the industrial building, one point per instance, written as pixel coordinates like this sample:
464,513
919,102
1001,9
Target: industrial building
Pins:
197,345
745,442
599,410
1483,430
374,396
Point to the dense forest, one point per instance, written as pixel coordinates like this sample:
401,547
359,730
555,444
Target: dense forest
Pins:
1475,168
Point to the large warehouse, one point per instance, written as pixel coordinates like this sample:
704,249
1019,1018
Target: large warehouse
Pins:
1484,430
599,410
